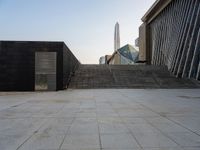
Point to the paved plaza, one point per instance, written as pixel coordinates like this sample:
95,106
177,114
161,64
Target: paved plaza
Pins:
103,119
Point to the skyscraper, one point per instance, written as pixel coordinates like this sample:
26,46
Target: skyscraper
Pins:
116,37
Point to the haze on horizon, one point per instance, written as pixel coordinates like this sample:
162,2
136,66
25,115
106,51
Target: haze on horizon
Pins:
86,26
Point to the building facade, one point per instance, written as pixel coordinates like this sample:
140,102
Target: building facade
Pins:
170,35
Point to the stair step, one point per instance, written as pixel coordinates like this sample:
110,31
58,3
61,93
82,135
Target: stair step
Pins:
127,76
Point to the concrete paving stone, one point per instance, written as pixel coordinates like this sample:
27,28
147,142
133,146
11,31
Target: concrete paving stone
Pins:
66,121
122,149
110,119
103,105
66,112
101,99
20,126
118,141
185,138
7,124
179,114
45,112
154,140
169,127
81,149
9,113
86,114
127,105
108,110
43,141
112,128
43,115
88,105
134,120
81,142
34,109
72,105
133,104
64,115
107,114
159,119
192,123
191,148
165,148
143,127
12,142
87,110
85,120
56,126
136,113
89,128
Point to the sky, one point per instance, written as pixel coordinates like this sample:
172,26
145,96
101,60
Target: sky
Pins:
86,26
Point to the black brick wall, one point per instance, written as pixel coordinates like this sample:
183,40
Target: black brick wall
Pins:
17,64
70,64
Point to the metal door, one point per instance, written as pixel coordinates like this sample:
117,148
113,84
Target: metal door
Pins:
45,71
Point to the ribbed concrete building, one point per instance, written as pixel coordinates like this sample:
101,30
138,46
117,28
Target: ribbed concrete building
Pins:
170,35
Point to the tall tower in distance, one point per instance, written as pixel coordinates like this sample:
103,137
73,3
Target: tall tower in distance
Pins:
116,37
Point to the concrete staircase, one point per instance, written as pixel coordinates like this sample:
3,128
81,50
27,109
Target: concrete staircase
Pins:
127,76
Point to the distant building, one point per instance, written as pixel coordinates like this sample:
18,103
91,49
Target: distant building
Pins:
107,57
102,60
116,37
137,42
125,55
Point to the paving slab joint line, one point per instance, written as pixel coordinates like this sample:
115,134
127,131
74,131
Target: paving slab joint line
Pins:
66,134
165,117
132,134
169,119
16,105
49,118
183,126
101,148
128,129
36,131
163,133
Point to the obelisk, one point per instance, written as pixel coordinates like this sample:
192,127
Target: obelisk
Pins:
116,37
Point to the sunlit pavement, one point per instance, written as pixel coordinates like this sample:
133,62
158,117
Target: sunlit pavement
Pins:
115,119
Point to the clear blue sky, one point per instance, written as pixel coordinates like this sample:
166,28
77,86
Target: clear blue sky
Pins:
86,26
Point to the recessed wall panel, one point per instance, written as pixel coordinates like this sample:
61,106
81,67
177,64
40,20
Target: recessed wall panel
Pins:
45,71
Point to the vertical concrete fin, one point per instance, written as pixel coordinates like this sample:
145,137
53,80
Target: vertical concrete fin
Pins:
195,59
187,40
184,36
191,51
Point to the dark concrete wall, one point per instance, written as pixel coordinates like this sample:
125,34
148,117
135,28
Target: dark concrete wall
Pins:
17,67
17,64
70,64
